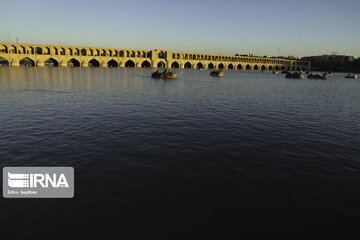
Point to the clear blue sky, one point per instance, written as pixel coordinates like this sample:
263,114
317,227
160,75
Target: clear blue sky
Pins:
299,28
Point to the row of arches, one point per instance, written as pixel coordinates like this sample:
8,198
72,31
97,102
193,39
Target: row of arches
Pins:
78,51
206,57
12,49
51,62
200,65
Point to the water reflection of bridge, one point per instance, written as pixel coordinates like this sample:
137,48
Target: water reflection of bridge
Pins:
54,56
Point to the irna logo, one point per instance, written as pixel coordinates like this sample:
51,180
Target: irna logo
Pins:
19,180
38,182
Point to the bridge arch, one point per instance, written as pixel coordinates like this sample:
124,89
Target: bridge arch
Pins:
211,66
221,66
187,65
73,63
145,64
161,55
239,67
230,66
4,49
263,68
112,63
277,68
13,50
199,65
23,50
32,51
4,62
248,67
129,64
256,67
38,50
83,52
27,62
161,64
94,63
175,65
50,62
270,68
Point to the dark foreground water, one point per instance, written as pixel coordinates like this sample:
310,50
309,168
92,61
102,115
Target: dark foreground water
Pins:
249,154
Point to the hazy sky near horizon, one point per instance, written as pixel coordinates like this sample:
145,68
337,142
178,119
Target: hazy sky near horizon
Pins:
299,28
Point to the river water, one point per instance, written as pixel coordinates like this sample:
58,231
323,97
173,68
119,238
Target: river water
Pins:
249,154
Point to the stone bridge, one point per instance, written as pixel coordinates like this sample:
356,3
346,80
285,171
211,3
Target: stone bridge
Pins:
66,56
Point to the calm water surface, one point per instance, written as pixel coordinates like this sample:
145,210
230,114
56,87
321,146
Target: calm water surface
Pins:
249,154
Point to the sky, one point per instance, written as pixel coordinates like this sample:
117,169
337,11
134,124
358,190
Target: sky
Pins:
262,27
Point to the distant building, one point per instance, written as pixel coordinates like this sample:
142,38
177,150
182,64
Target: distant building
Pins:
332,62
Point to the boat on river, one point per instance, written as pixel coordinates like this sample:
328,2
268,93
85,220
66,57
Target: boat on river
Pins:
317,76
351,76
217,73
295,75
166,74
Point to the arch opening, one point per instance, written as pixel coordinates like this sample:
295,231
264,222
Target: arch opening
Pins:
38,50
93,63
199,65
73,63
277,68
161,64
239,67
129,64
221,66
248,67
4,62
211,66
256,67
51,63
4,49
161,55
112,63
83,52
230,66
145,64
27,62
270,67
175,65
187,65
263,68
